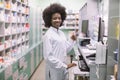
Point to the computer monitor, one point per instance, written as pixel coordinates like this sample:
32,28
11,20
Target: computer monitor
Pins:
101,30
84,28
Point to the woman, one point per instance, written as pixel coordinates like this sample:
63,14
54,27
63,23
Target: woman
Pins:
55,45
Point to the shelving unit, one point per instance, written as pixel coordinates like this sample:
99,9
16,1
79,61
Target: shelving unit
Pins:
14,30
20,54
72,19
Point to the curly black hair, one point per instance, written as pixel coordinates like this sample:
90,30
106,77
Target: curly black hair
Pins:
50,10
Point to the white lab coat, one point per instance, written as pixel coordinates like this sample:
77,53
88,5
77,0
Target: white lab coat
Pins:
55,47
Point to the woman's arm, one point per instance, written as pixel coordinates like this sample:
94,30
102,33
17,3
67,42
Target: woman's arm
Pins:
71,42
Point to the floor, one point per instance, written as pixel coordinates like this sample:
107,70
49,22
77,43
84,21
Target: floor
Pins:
39,74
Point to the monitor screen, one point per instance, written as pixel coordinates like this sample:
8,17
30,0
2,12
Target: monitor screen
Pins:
101,30
84,28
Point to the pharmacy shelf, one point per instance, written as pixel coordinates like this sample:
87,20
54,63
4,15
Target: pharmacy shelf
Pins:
72,19
23,67
20,54
14,31
69,28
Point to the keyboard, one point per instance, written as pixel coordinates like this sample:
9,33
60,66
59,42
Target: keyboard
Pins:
82,65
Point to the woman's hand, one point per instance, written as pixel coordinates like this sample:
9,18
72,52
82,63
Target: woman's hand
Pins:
74,37
71,65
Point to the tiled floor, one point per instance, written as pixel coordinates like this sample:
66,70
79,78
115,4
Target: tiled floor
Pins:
39,74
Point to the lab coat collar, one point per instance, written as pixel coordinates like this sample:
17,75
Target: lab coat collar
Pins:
56,30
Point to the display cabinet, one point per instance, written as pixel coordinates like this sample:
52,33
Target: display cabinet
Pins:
72,19
14,34
14,29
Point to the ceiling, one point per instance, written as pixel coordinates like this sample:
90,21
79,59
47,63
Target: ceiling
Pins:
69,4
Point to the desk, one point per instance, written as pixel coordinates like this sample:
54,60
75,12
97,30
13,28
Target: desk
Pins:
74,72
85,52
97,72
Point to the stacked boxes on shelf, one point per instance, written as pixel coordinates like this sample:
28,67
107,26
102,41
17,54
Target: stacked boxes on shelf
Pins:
72,19
14,30
18,59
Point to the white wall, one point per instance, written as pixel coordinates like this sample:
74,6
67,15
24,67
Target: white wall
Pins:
69,4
